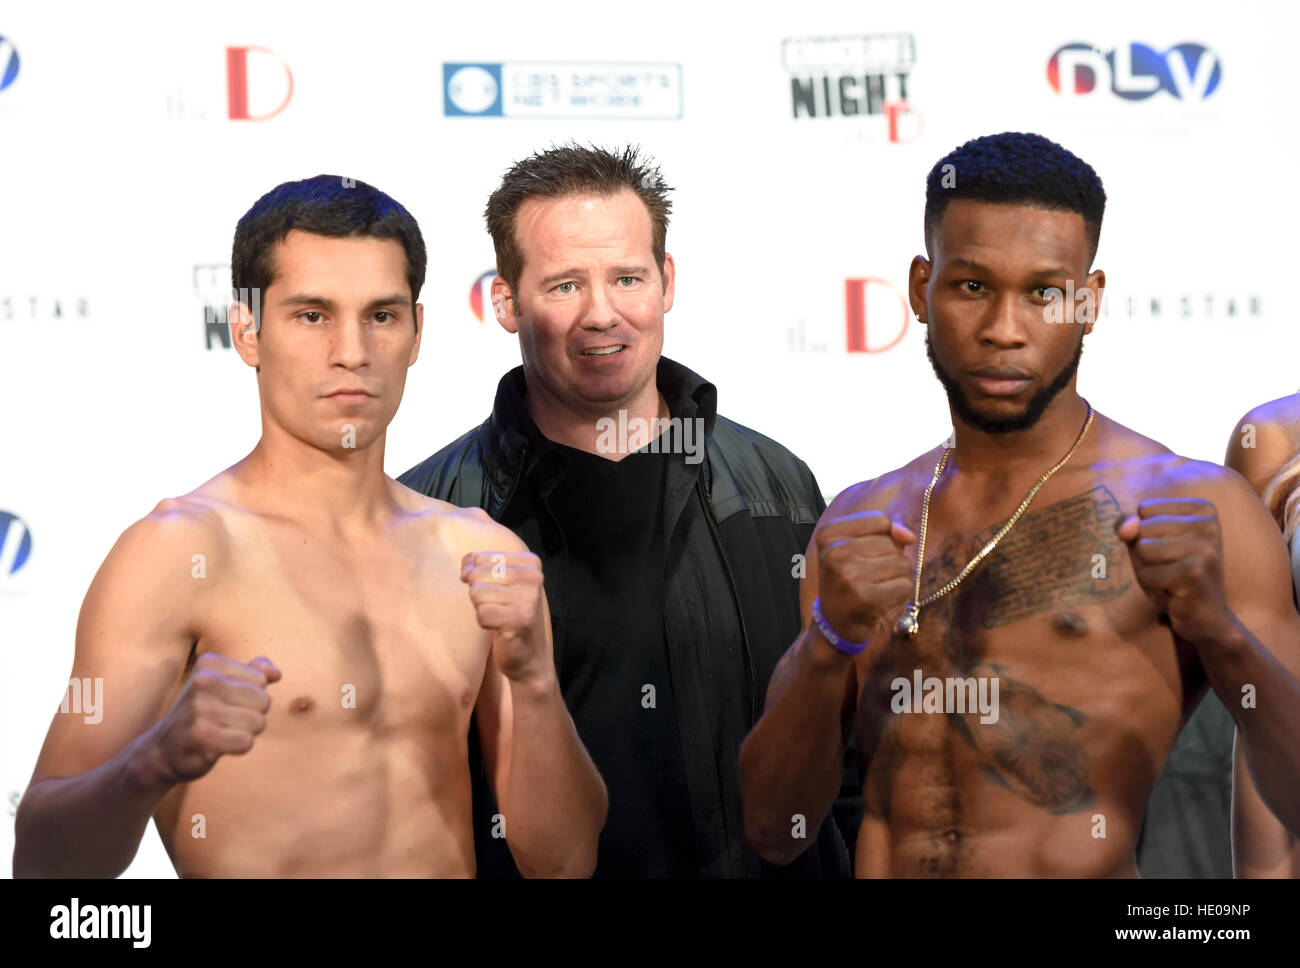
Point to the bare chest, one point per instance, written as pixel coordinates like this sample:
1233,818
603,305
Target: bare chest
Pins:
381,639
1043,668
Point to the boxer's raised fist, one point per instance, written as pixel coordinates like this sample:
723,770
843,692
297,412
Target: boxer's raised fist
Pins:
865,579
505,588
1177,552
221,708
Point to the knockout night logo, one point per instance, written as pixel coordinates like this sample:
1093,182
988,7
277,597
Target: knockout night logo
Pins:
864,75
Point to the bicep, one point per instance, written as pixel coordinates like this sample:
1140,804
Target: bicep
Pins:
1257,573
134,634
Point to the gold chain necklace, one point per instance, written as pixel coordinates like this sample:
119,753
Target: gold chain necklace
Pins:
910,623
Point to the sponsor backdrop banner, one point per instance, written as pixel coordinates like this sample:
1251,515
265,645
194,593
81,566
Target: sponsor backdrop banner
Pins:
797,138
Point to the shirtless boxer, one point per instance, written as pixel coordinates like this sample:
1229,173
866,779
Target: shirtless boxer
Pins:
291,653
1134,580
1265,449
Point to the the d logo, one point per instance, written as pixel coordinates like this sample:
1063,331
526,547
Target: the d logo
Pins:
237,82
855,313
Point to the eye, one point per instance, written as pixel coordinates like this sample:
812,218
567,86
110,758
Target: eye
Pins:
971,285
310,312
627,280
563,291
386,316
1045,293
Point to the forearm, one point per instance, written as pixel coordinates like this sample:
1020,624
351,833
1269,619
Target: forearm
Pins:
88,825
791,764
1264,699
555,802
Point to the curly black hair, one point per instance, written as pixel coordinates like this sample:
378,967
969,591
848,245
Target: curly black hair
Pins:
1016,168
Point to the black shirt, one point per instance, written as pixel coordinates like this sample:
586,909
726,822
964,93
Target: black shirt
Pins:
614,670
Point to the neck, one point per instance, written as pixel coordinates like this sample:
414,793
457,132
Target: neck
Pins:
982,454
584,429
345,490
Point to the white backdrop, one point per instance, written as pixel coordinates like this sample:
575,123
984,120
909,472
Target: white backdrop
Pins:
123,172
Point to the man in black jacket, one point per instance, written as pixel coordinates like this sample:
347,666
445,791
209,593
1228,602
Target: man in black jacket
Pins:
671,538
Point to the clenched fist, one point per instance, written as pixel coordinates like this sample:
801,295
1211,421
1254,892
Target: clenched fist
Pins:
864,577
1177,554
505,588
220,710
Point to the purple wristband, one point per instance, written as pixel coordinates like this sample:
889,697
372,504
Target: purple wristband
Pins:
836,641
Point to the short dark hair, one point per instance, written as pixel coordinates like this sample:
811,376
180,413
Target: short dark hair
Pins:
323,205
572,169
1016,168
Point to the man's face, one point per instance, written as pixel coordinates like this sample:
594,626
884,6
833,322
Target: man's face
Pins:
336,337
590,303
1001,341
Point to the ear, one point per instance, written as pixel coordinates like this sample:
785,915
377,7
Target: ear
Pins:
244,333
1097,283
918,278
670,280
503,305
419,332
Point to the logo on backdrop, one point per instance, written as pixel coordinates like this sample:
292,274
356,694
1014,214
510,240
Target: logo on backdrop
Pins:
237,86
258,87
876,318
1135,72
8,63
862,76
211,282
562,89
28,308
15,543
876,315
480,294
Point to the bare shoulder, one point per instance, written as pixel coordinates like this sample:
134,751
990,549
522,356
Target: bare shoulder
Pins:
176,531
156,585
887,492
1264,439
1282,413
462,530
1171,475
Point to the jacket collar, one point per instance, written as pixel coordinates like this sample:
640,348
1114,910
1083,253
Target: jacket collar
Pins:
513,446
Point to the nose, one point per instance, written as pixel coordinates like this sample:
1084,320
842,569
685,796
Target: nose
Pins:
600,312
1006,323
350,347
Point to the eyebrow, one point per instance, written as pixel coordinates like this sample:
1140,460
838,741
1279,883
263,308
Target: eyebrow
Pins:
971,264
582,274
307,299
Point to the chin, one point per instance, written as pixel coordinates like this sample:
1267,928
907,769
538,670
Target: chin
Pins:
1005,419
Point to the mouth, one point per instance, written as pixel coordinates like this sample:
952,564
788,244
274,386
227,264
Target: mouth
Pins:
349,395
603,350
999,381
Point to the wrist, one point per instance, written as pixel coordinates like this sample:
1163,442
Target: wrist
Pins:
1227,637
832,638
146,774
535,678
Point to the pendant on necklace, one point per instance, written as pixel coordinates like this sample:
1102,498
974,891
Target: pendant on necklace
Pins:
909,624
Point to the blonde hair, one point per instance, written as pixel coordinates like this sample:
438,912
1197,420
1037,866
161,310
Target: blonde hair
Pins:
1282,497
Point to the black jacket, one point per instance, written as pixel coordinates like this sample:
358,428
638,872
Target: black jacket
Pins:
742,515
